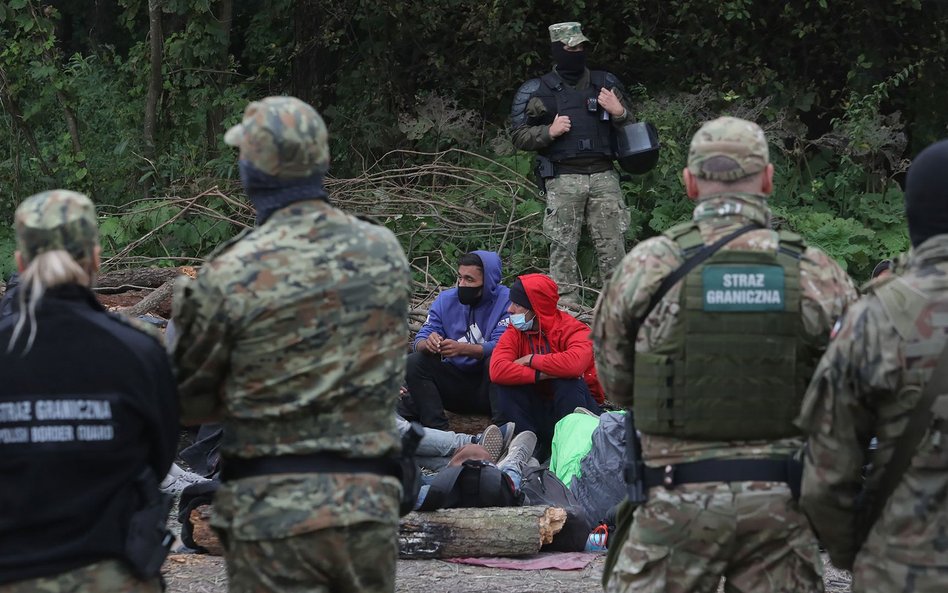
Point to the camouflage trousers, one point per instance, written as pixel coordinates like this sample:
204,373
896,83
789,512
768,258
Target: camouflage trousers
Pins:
876,572
358,558
686,539
107,576
597,200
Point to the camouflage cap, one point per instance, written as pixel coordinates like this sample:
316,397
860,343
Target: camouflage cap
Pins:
282,136
728,148
56,219
570,34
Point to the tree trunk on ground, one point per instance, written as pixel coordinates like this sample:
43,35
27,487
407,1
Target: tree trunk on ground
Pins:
153,301
135,278
460,533
156,44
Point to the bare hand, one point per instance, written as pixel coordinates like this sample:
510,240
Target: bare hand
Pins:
450,348
560,126
432,343
524,360
610,102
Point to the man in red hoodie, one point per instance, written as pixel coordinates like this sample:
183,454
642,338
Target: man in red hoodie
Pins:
543,363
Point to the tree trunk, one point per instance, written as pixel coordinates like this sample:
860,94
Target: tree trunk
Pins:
13,108
135,278
306,61
216,115
459,533
153,302
156,43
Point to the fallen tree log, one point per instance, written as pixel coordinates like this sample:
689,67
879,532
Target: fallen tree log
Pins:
134,278
459,533
153,302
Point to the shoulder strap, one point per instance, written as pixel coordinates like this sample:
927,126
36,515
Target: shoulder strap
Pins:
552,81
907,444
597,78
690,264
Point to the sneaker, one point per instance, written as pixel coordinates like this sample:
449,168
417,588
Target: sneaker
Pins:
178,479
582,410
491,439
519,452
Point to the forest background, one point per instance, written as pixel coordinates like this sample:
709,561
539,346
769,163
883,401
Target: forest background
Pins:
127,101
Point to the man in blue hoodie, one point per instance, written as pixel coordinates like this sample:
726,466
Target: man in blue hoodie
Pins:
451,352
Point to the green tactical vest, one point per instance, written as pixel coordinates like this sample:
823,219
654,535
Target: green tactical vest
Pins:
736,365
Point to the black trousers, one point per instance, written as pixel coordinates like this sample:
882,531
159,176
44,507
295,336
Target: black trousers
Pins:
538,412
435,386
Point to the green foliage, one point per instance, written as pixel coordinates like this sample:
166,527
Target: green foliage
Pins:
847,93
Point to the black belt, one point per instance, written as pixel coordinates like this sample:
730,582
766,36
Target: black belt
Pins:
234,468
725,470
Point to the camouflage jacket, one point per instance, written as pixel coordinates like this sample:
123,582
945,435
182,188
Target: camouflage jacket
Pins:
826,291
867,385
294,337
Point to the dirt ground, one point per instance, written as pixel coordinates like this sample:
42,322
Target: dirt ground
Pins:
193,573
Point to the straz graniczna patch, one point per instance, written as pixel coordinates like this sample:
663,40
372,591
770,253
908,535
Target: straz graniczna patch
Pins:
742,288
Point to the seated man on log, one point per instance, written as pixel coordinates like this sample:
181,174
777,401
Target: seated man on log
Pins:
448,368
542,366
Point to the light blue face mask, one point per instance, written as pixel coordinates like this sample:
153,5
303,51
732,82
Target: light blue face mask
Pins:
519,321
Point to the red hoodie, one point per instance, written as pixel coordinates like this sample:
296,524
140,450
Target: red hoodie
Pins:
559,342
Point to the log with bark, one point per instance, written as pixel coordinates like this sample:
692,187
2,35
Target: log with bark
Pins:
136,278
459,533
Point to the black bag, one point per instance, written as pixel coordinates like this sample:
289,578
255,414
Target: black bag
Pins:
474,484
540,486
410,474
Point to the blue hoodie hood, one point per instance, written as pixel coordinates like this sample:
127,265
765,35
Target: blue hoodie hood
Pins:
481,324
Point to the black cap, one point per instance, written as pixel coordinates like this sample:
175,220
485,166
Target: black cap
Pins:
519,295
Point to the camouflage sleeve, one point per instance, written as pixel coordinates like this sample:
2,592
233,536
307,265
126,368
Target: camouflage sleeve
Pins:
201,350
534,134
827,291
627,117
838,427
625,297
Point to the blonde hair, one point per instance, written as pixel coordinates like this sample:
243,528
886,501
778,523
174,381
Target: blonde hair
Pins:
46,270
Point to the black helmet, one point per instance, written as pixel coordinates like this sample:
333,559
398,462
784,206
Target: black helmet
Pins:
636,147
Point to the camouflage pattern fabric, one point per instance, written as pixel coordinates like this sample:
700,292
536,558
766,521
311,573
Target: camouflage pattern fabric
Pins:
58,219
867,385
570,200
310,563
294,336
282,136
108,576
728,148
569,34
772,531
685,539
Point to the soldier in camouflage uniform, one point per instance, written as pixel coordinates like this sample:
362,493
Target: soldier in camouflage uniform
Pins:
569,116
293,336
715,373
867,385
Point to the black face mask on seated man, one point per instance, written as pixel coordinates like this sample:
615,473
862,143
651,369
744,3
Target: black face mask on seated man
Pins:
470,295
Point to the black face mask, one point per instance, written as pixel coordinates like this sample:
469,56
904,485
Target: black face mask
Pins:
569,64
470,295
